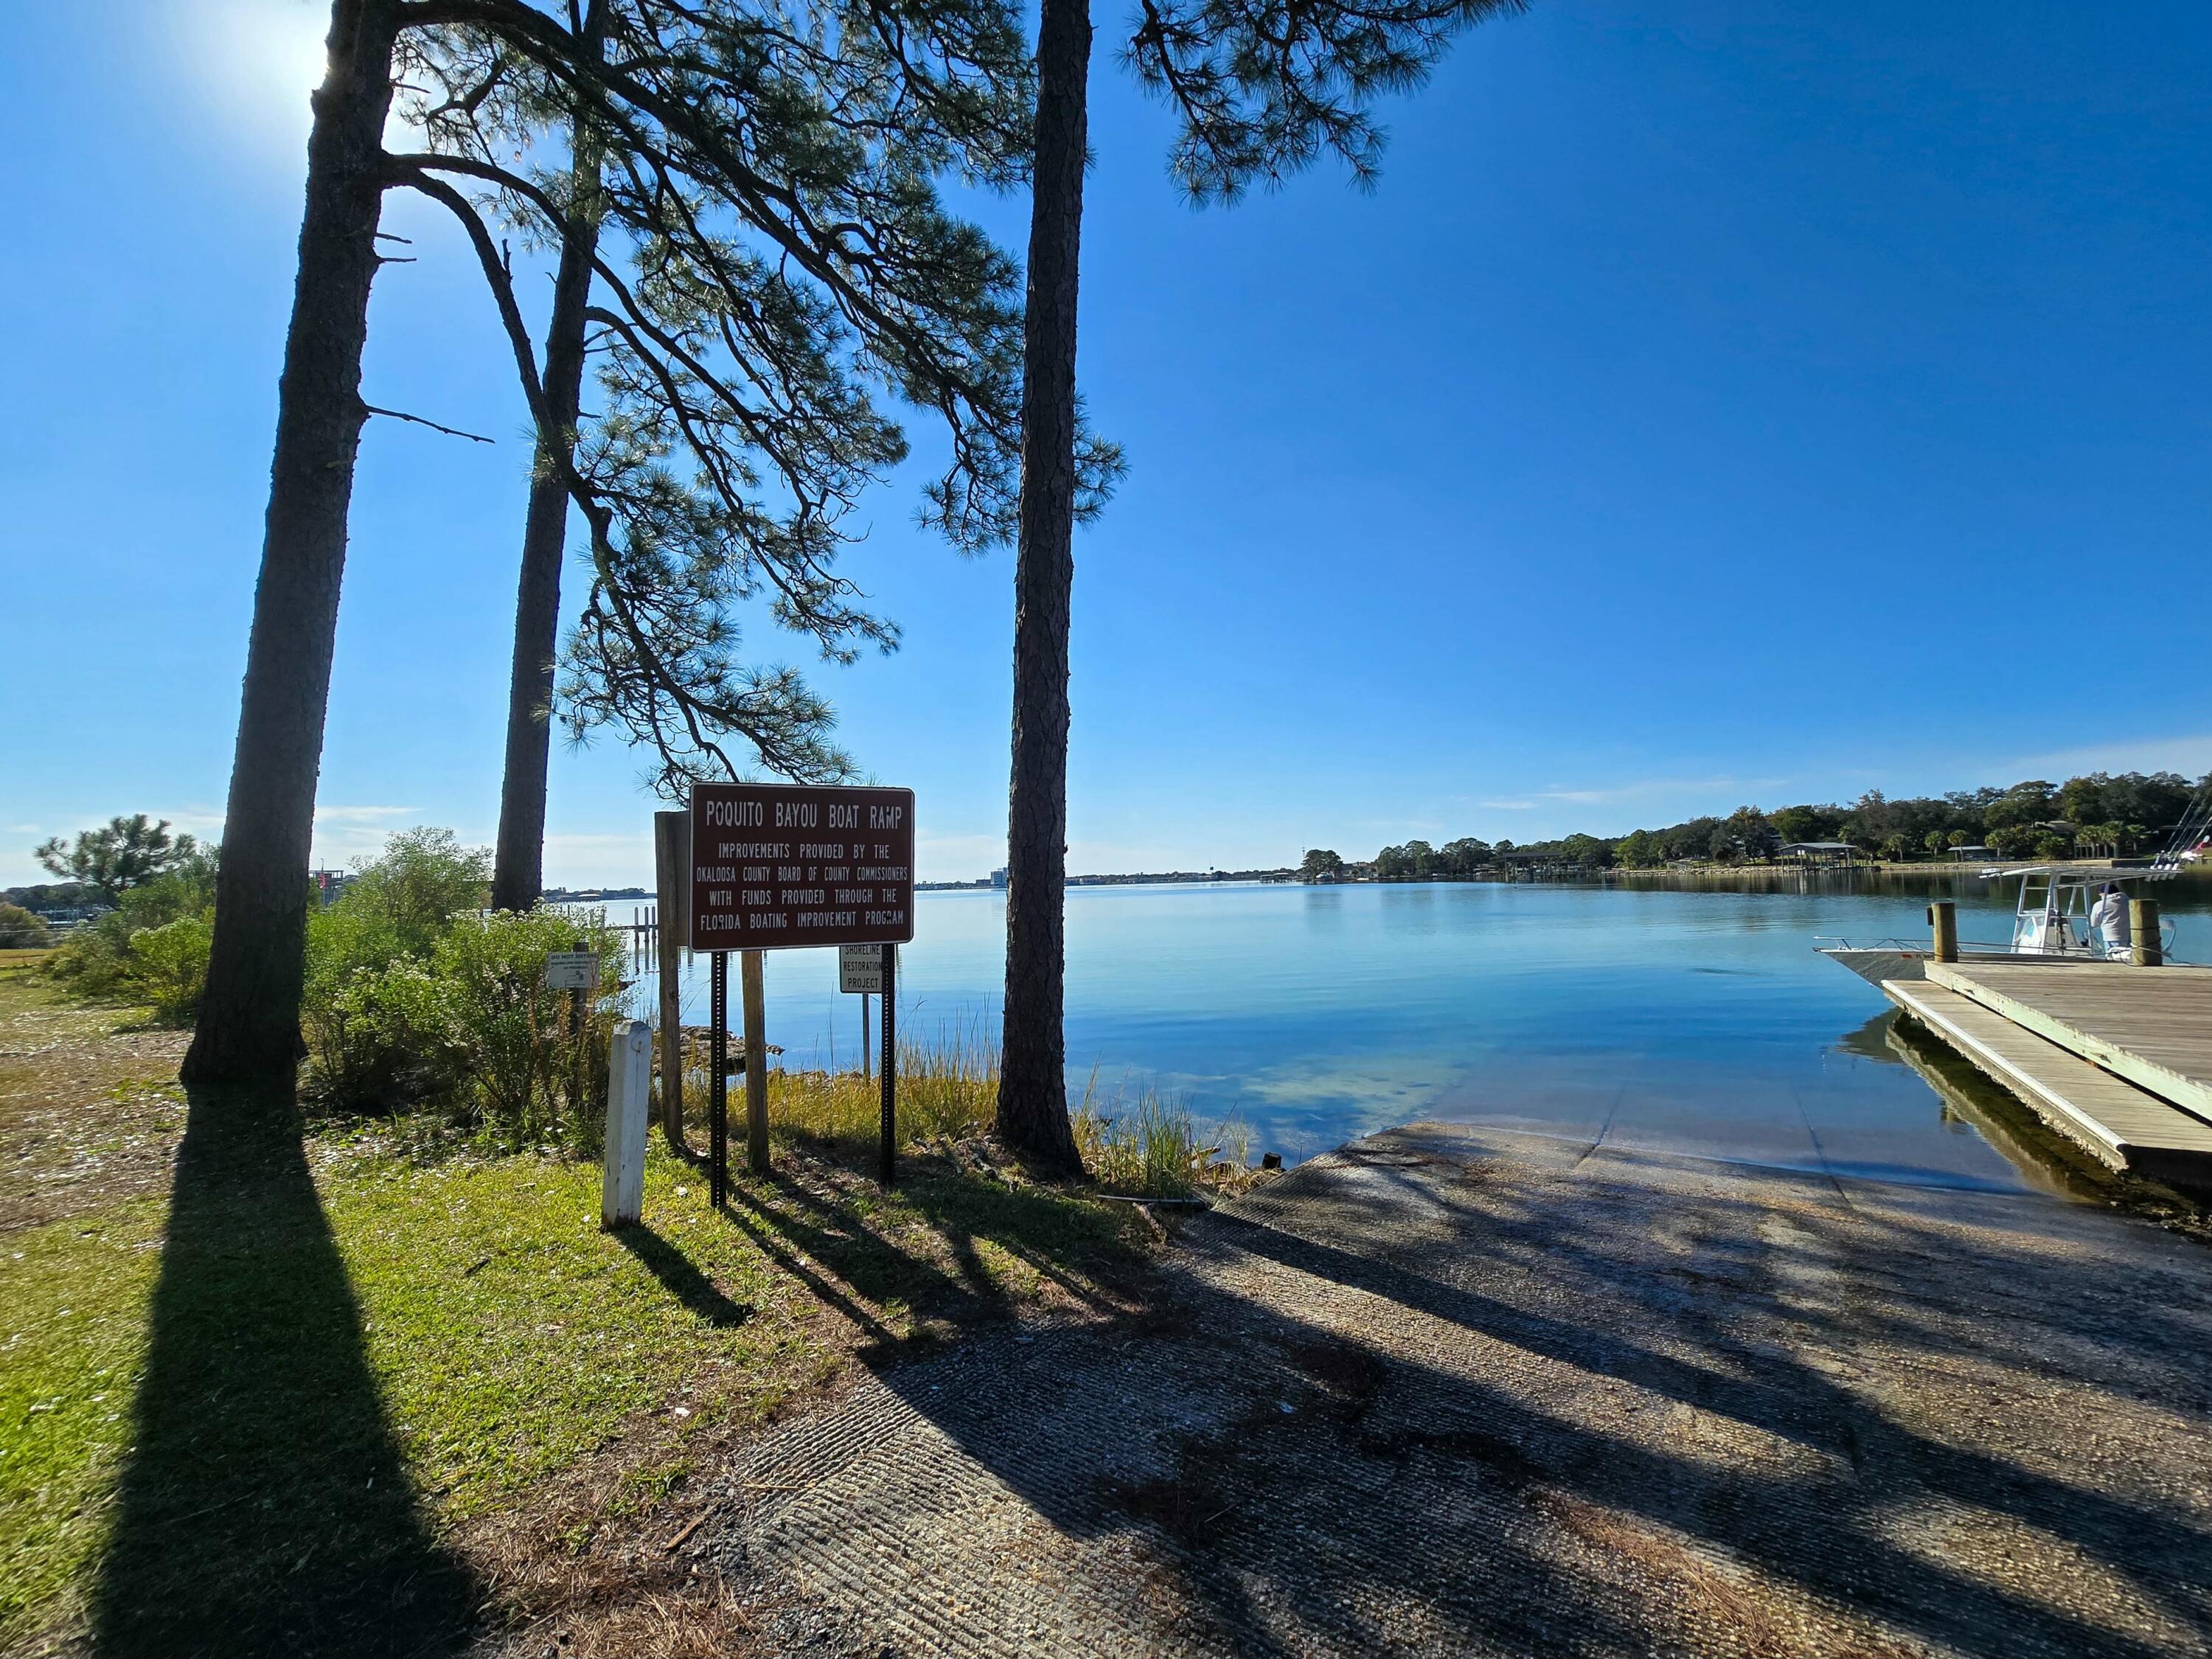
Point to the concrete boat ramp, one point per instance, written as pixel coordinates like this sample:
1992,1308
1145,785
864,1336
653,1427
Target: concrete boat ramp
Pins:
1456,1391
2118,1059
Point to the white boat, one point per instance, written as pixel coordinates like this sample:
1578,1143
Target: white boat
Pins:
2051,921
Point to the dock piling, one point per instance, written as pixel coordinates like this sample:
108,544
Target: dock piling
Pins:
1943,916
2143,927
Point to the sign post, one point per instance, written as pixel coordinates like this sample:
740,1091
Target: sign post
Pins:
890,1150
630,1091
780,866
575,970
671,867
861,972
718,1078
755,1064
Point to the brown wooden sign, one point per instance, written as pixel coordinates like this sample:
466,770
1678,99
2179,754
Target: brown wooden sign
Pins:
779,867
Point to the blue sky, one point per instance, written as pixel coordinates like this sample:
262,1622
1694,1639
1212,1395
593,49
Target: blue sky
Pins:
1715,401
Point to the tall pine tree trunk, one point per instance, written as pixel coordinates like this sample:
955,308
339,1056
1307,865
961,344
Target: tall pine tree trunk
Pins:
249,1023
518,878
1032,1113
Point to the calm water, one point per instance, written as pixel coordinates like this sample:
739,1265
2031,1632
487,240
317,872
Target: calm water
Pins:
1693,1019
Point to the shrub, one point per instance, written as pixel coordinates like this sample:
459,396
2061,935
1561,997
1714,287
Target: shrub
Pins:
169,963
96,960
343,943
373,1016
378,1040
525,1075
21,929
410,893
470,1031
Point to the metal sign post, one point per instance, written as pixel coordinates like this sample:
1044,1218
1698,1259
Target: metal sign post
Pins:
780,866
890,1151
860,972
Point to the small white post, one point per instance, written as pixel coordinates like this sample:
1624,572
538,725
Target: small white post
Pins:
630,1091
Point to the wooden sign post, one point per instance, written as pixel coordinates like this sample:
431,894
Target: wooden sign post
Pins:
781,866
672,863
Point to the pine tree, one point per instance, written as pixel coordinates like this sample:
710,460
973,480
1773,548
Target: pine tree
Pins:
518,849
249,1026
707,355
122,854
1262,88
771,173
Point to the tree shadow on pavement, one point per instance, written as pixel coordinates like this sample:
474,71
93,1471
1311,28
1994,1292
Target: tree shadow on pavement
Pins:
265,1506
1730,1414
936,1269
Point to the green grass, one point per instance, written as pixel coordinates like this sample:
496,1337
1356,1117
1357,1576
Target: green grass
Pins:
73,1302
273,1404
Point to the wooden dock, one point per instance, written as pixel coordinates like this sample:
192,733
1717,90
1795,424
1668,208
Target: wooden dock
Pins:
2118,1059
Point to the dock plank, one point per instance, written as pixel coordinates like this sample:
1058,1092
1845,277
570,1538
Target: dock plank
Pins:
2124,1128
2150,1025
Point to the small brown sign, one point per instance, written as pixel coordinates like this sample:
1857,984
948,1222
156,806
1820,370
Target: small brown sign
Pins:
780,866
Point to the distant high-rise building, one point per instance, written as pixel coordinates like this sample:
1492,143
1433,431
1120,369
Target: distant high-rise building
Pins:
998,878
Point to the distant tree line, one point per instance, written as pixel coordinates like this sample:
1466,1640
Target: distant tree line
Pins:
2098,815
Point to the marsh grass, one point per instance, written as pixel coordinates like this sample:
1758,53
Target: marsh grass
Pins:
1136,1141
948,1090
1145,1144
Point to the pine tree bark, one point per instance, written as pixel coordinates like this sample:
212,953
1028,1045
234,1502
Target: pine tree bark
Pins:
1032,1112
518,878
249,1023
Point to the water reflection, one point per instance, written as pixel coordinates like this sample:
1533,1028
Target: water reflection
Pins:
1873,1039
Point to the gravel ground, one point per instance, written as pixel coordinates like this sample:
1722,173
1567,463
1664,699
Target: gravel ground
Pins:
1455,1391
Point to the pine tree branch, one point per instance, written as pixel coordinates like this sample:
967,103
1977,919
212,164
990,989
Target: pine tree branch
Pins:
450,431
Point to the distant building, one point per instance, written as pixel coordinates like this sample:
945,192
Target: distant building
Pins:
1820,852
998,878
330,885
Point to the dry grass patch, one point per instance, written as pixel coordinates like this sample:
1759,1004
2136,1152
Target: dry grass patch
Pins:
90,1107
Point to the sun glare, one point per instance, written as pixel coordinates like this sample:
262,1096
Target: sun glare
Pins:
258,61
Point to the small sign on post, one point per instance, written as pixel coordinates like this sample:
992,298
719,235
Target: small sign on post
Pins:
861,970
576,972
572,970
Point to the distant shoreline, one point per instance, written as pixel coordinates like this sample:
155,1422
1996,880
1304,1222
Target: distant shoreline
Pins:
1288,876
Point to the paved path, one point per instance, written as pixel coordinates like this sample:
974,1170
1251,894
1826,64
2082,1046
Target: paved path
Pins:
1456,1391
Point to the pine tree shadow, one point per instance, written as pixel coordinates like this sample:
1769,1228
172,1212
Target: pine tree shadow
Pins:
264,1505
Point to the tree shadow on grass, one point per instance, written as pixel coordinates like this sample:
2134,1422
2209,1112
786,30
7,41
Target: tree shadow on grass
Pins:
265,1506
